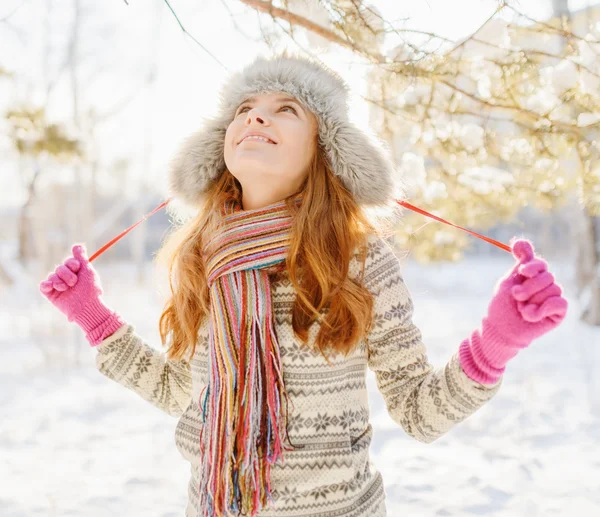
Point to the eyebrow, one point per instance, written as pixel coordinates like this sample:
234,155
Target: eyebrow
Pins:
278,98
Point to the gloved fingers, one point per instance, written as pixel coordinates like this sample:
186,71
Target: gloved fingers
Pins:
532,286
559,316
57,283
46,286
511,278
533,267
80,253
552,290
522,250
73,264
554,308
66,275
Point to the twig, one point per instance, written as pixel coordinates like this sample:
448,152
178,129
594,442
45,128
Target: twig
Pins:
192,37
4,18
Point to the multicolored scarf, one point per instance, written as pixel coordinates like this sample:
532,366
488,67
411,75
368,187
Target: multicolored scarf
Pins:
244,403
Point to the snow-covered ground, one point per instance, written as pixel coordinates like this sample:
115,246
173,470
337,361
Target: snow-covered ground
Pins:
73,443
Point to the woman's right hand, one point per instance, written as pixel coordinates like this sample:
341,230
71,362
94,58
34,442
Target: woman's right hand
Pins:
74,289
73,284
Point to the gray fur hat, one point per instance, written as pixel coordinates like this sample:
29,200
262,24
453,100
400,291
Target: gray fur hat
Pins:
358,157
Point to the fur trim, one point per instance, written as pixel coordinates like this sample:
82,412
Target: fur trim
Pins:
359,158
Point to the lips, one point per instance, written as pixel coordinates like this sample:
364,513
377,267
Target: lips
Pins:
262,135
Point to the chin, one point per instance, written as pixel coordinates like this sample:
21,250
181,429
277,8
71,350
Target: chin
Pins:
252,169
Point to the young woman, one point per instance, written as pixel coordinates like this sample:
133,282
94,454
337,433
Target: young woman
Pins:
285,291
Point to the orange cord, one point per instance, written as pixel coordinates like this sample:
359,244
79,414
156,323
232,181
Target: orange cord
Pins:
487,239
122,234
402,203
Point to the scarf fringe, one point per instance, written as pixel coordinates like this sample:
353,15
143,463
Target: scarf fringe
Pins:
245,409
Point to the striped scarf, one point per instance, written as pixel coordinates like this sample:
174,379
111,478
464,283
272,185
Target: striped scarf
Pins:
244,404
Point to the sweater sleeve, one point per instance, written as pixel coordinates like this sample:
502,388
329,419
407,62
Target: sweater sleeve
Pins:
426,401
128,360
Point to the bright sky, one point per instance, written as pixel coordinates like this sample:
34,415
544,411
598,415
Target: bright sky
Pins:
122,40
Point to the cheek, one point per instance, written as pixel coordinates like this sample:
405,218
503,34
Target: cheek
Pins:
230,139
297,156
229,135
303,148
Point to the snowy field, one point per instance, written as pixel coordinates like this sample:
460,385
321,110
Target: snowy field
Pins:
73,443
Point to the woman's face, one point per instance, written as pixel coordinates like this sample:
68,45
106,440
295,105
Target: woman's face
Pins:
270,171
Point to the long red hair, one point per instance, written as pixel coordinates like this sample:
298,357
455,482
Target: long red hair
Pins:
327,229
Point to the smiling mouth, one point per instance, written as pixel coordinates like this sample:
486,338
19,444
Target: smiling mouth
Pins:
257,139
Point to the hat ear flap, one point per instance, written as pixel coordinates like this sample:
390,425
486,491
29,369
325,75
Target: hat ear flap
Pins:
361,160
199,160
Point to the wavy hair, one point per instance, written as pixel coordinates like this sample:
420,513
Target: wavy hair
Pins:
327,228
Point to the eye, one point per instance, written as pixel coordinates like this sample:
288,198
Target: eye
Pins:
291,107
241,110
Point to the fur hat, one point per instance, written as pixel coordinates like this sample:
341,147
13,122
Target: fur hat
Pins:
358,157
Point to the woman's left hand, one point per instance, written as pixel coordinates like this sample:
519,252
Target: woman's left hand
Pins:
528,302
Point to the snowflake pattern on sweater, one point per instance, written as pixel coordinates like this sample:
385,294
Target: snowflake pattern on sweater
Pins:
330,473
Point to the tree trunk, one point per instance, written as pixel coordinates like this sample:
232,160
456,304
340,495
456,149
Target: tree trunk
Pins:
25,248
590,258
587,264
139,240
78,219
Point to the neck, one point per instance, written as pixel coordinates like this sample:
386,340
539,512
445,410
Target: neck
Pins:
255,199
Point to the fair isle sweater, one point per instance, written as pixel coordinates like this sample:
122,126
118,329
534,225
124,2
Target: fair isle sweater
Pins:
330,474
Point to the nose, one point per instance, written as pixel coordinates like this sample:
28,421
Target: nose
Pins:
254,115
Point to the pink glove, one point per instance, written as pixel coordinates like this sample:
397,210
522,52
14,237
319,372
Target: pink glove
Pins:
74,288
527,303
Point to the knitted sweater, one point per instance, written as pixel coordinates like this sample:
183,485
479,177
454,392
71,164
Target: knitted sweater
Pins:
330,474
